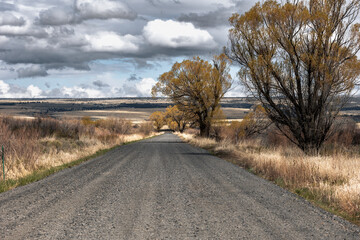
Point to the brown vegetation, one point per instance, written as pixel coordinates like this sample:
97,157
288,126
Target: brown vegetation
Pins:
34,144
331,179
158,119
299,59
196,88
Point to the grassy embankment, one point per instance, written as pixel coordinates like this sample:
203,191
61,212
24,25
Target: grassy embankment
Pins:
37,148
331,181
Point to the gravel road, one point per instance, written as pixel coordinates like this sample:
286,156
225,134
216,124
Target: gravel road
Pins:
162,188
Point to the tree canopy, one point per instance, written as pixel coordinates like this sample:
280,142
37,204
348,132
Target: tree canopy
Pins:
176,120
158,119
299,59
196,88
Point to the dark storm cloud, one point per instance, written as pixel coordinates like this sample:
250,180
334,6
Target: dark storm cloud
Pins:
215,18
7,7
98,9
100,84
218,17
160,2
134,77
32,71
82,11
50,34
57,16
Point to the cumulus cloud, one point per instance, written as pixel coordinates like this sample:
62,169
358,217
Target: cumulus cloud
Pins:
4,87
68,37
34,91
13,91
111,42
139,89
175,34
23,31
81,92
11,20
32,71
144,87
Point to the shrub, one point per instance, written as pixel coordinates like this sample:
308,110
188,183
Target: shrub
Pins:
145,128
158,119
86,120
119,126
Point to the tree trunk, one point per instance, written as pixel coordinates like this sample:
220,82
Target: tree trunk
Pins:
309,149
182,127
204,129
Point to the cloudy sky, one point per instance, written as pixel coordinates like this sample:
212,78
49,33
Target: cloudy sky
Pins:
104,48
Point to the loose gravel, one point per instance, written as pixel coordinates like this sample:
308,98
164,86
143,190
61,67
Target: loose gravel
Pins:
162,188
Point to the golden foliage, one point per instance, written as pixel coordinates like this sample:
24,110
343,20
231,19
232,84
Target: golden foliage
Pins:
196,87
176,119
299,59
255,122
158,119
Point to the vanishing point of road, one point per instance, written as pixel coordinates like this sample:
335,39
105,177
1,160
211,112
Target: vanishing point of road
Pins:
162,188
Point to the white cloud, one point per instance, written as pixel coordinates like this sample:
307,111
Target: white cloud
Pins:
86,38
144,87
4,87
32,71
111,42
25,30
12,91
176,34
34,91
81,92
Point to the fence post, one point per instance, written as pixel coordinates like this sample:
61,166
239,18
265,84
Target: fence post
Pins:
3,161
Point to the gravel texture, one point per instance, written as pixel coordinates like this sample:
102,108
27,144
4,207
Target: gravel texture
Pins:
162,188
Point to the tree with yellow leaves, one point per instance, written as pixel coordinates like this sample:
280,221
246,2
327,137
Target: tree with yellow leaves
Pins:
299,59
176,119
158,119
196,87
254,122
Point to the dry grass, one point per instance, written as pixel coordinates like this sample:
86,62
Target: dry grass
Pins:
332,180
41,143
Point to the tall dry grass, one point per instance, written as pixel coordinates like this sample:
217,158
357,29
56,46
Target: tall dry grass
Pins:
332,179
34,144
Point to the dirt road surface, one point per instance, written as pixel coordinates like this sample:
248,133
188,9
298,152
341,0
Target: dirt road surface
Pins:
162,188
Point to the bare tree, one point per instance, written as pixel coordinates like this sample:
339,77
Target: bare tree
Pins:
299,59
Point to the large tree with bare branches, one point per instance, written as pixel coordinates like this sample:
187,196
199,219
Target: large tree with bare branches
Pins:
299,59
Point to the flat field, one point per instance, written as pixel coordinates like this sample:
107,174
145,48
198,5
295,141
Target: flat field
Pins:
135,109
